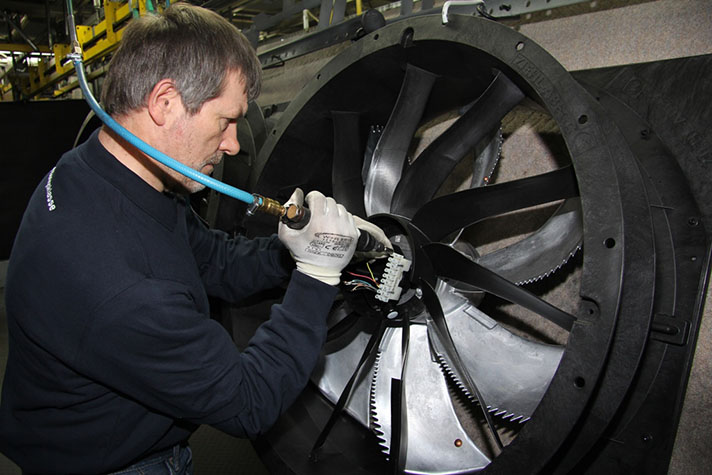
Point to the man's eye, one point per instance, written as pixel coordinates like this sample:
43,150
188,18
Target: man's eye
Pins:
225,123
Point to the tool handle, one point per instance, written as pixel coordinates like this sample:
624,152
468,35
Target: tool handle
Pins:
296,217
368,243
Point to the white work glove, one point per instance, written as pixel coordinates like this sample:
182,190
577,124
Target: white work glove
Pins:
327,243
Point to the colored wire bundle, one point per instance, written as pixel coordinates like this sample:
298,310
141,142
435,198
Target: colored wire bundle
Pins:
363,282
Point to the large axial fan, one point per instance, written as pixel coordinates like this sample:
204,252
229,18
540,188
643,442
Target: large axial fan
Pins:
406,128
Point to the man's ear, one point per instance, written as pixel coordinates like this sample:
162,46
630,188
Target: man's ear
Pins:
164,101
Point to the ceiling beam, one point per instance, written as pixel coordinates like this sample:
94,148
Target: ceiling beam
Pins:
32,9
23,48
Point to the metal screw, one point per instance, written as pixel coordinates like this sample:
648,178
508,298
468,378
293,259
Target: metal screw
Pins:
392,314
419,293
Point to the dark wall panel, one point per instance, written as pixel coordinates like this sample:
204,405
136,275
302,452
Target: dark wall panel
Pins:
33,135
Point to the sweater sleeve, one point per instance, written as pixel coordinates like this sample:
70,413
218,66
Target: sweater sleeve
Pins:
235,268
175,361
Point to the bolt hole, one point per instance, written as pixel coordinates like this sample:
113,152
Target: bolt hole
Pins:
610,243
590,308
520,46
375,37
693,221
529,4
407,37
579,382
583,119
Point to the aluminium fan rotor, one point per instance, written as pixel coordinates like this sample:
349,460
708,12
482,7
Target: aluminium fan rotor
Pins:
467,62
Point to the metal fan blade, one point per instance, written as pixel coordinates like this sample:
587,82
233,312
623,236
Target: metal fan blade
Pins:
542,252
512,373
399,406
368,352
385,368
374,135
436,439
339,361
392,148
487,154
399,427
446,214
439,333
424,176
346,180
450,263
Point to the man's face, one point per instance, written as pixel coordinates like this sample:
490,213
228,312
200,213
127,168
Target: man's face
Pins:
199,141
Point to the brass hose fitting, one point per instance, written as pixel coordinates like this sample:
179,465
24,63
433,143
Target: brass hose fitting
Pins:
270,206
294,216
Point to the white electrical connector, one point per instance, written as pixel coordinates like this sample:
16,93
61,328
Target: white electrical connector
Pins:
388,288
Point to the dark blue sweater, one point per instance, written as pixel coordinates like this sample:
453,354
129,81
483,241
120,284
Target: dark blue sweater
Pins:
112,352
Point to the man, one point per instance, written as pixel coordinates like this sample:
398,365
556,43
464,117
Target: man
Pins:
113,358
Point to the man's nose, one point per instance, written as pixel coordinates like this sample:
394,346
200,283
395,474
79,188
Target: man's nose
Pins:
229,143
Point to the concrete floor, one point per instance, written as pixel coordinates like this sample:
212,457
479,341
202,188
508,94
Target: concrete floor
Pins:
595,36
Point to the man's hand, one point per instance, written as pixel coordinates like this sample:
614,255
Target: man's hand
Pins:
326,244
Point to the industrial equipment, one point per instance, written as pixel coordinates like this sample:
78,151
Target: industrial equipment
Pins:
552,250
483,364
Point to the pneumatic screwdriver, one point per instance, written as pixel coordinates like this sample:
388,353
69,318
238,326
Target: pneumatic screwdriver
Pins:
296,217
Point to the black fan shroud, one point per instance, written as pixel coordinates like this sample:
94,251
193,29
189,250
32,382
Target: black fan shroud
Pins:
621,293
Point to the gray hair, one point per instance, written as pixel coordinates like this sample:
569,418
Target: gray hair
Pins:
193,46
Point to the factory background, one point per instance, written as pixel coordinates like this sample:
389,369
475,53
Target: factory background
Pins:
597,41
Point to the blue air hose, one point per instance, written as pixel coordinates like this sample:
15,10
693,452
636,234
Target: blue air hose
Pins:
210,182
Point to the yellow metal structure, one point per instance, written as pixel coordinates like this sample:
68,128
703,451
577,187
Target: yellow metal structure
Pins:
97,42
